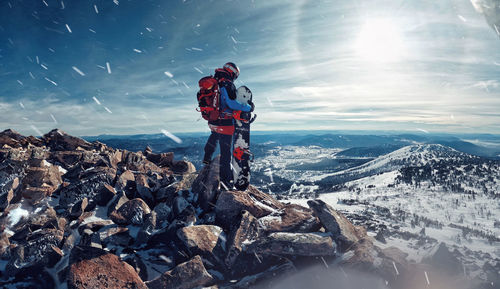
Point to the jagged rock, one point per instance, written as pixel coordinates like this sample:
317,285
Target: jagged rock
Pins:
90,239
298,244
44,217
162,211
206,184
247,230
441,258
7,190
58,140
78,208
138,265
143,189
67,159
11,138
112,158
132,212
105,195
230,204
40,182
179,205
183,167
4,246
41,249
343,231
277,271
94,226
117,202
115,235
90,186
147,229
161,160
138,162
206,240
361,255
96,268
291,218
186,275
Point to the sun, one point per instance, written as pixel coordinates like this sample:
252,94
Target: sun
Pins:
380,40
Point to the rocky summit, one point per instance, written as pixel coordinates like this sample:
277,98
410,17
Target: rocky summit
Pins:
76,214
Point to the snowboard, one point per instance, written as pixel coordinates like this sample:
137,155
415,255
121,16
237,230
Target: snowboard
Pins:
241,142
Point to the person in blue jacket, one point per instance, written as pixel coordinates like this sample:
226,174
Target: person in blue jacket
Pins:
222,129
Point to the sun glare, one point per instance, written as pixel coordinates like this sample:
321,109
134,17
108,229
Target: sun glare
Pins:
380,41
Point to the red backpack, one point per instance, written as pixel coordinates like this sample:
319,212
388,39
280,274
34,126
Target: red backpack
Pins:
209,98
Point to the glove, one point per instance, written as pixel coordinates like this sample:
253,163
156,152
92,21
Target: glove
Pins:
252,106
245,115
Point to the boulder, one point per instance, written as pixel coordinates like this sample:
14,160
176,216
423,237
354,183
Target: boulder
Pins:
206,184
291,218
245,231
296,244
131,212
343,231
96,268
190,274
206,240
230,204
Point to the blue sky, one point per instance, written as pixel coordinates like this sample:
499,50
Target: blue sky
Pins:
414,65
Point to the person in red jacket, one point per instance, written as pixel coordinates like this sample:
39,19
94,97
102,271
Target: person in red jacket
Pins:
222,129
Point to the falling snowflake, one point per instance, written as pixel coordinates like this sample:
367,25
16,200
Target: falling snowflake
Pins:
108,67
78,70
96,100
69,29
51,81
171,136
169,74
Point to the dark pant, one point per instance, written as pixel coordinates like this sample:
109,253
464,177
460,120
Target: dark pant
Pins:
225,141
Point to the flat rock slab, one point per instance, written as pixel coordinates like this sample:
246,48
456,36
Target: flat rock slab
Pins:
190,274
297,244
230,204
95,268
205,240
291,218
343,231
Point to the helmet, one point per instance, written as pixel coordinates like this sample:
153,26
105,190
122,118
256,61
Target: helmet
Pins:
232,69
